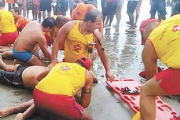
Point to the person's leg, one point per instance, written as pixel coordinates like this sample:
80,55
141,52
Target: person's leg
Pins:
15,109
153,9
35,61
118,14
41,8
130,12
85,115
44,14
148,93
131,8
10,68
137,17
5,48
131,18
24,7
27,113
9,6
48,7
137,12
162,9
107,19
112,11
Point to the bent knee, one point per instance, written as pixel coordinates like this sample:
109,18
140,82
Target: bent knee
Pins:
144,90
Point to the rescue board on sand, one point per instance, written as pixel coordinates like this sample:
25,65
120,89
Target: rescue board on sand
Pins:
129,89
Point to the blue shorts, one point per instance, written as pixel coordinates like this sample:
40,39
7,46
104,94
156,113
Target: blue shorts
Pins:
22,56
131,6
160,6
109,8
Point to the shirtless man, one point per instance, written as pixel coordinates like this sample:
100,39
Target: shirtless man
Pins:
30,39
79,38
60,20
20,76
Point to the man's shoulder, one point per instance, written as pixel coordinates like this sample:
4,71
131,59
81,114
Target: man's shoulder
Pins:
69,25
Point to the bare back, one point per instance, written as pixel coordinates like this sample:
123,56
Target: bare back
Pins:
30,74
29,37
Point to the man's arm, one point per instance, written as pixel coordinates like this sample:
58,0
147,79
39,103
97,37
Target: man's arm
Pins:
150,60
60,40
43,46
86,90
42,75
103,55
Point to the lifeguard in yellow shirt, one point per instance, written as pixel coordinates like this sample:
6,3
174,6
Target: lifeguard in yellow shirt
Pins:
163,42
54,94
80,37
8,29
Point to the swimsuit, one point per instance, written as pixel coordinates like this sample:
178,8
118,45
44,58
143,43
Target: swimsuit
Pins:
13,78
22,56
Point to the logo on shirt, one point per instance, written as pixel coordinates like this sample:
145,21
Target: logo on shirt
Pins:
65,68
176,28
77,47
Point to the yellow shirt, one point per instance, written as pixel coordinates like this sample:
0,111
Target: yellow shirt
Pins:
76,44
166,41
7,24
63,79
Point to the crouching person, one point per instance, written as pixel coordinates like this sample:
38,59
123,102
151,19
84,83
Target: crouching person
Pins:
54,94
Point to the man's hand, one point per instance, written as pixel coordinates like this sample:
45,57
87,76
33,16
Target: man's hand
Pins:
109,76
52,65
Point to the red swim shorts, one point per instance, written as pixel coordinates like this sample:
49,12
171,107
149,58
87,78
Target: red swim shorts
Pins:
170,80
8,38
62,105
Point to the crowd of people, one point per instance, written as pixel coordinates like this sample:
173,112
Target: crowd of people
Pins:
70,81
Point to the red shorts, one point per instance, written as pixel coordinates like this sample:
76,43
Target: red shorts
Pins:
8,38
62,105
170,80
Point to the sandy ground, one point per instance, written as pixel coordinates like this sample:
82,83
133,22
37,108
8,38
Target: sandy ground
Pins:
124,51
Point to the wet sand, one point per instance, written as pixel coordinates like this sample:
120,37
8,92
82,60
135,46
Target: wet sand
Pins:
124,51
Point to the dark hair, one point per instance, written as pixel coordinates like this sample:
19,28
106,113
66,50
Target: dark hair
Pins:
49,22
2,4
60,19
16,9
92,15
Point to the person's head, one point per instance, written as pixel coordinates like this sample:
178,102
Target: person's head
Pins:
146,28
48,24
2,4
14,11
80,11
93,19
60,21
84,62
